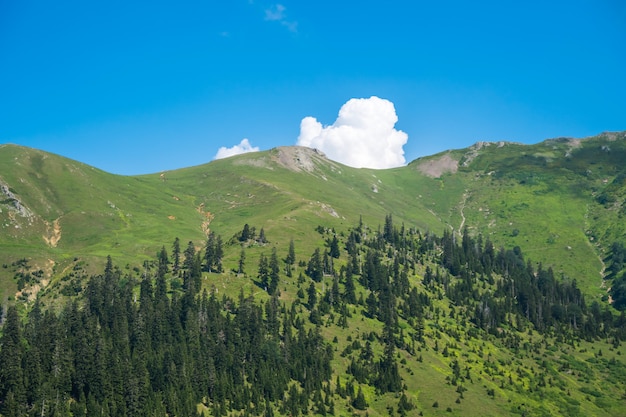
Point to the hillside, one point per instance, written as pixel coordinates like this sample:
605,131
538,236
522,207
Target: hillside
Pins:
475,333
549,199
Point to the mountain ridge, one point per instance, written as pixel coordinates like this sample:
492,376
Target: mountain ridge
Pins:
442,190
475,274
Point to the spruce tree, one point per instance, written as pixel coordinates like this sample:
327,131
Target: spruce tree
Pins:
359,401
263,272
315,268
242,261
12,394
163,261
290,260
219,254
312,293
291,255
334,247
349,294
209,253
176,255
274,270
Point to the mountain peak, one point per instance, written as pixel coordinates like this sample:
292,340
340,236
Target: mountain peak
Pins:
293,158
299,158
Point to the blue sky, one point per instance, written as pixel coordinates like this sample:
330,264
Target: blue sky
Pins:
142,87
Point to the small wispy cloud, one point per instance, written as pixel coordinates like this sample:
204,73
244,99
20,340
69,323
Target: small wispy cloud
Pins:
243,147
276,13
291,26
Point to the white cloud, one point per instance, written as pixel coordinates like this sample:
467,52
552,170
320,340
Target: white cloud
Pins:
363,136
277,13
243,147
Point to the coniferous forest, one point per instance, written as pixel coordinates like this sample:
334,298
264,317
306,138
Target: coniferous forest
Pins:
161,342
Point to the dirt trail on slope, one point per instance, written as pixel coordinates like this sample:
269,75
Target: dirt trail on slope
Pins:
53,233
208,218
463,201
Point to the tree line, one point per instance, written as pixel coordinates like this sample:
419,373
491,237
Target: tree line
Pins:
145,346
119,352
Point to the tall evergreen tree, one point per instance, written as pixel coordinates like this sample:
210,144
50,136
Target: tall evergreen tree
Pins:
359,401
334,247
176,255
219,254
264,272
242,262
291,254
290,260
245,233
388,229
189,254
163,261
349,294
274,272
315,268
312,293
12,393
209,252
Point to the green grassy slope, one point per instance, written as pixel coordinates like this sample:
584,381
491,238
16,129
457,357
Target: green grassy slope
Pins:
543,198
54,209
560,201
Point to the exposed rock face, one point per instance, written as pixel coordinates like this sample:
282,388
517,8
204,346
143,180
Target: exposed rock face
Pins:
300,158
435,168
15,202
294,158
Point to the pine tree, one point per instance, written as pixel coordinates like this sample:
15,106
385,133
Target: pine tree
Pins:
334,247
176,255
209,253
242,261
327,264
312,293
12,393
315,268
349,294
334,292
291,255
219,254
359,401
388,378
372,305
274,272
189,254
163,261
290,260
263,272
245,233
388,230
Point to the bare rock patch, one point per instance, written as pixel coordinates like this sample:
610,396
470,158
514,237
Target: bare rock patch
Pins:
435,168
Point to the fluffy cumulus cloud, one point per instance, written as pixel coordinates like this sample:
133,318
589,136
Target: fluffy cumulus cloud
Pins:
363,136
243,147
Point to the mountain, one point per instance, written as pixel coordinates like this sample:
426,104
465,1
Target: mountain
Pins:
561,201
555,206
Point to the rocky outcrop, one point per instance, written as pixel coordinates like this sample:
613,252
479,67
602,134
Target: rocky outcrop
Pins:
10,199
